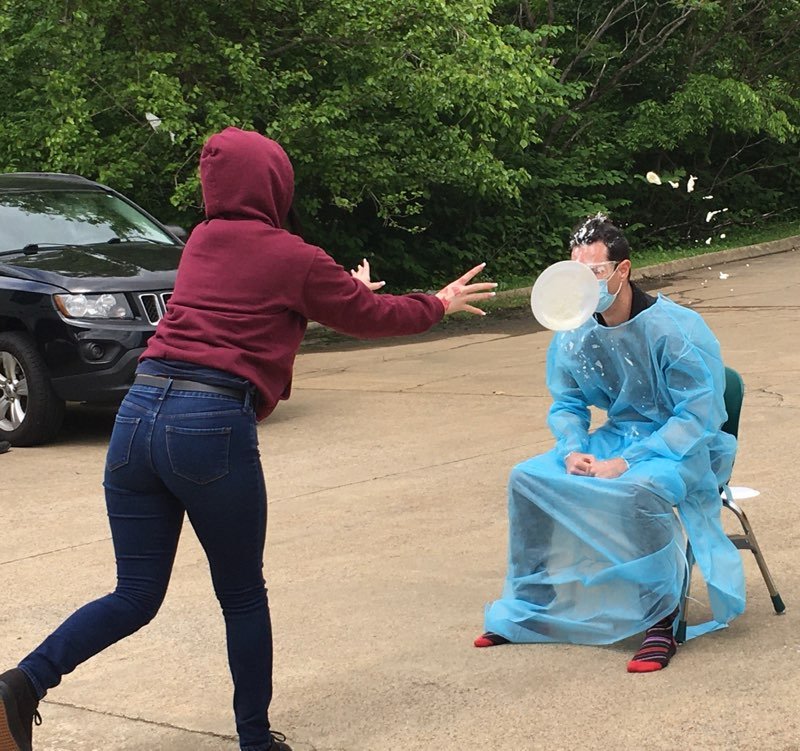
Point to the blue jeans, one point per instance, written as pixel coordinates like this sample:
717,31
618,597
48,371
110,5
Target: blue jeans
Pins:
173,452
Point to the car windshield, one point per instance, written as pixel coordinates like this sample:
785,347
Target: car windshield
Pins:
71,217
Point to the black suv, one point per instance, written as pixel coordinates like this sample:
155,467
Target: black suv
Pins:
85,276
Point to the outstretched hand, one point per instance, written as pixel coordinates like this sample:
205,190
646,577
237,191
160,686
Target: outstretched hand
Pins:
362,273
458,295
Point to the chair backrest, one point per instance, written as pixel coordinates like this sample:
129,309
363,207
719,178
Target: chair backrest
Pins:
734,394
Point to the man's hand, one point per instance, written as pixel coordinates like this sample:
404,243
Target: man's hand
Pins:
362,274
609,468
589,466
458,295
579,464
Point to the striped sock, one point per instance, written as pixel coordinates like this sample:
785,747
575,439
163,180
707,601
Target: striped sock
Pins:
657,649
490,640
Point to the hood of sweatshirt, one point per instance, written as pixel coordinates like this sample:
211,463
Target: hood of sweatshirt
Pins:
246,176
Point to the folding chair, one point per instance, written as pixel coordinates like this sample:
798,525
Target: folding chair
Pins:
734,394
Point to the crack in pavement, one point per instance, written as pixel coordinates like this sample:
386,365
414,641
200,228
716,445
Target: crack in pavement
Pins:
411,470
157,723
689,297
413,390
324,489
319,372
438,350
749,307
772,393
497,338
372,345
52,552
461,376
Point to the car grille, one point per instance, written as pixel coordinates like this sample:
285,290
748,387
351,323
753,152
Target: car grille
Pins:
154,305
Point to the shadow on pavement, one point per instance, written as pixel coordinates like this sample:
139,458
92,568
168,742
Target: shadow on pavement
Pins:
86,424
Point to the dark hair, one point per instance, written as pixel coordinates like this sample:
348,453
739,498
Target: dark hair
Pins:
598,228
293,223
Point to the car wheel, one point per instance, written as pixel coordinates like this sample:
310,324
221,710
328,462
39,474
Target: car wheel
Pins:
30,411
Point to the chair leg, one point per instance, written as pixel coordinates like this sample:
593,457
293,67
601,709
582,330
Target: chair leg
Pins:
683,607
680,633
752,544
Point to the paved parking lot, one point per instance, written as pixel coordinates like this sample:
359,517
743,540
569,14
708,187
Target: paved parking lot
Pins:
386,473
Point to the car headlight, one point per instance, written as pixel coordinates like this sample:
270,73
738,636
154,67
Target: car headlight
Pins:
94,306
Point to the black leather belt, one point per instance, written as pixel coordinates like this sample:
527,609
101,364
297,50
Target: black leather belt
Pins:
143,379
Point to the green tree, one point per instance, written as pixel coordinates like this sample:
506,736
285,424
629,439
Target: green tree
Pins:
382,106
709,88
425,133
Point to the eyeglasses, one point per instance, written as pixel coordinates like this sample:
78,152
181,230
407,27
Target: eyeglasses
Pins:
601,270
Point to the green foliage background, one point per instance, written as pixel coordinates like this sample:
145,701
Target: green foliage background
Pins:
426,134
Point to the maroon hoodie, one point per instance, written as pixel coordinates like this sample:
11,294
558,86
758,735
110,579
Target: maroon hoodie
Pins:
246,287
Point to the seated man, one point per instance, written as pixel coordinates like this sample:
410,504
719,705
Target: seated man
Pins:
596,553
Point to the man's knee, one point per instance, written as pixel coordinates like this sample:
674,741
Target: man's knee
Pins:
521,478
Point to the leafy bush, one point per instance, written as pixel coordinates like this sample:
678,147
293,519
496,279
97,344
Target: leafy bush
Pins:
425,134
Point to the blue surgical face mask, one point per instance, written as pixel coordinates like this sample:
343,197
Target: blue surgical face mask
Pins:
606,298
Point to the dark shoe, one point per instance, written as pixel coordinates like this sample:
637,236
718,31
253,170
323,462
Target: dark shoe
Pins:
17,711
278,742
4,446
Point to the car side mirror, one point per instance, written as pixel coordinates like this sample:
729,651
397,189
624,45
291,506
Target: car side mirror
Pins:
179,232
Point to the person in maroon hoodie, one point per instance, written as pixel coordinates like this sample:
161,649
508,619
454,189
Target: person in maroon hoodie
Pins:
184,439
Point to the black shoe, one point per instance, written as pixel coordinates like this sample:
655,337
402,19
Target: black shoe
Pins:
278,742
4,446
17,711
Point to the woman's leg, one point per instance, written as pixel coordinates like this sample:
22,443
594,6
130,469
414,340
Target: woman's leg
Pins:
211,462
145,523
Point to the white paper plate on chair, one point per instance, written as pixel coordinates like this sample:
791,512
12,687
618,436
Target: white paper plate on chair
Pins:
740,493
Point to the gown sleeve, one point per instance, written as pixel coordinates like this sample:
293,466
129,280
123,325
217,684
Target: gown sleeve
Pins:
569,416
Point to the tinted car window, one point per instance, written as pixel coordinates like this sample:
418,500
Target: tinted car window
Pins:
71,217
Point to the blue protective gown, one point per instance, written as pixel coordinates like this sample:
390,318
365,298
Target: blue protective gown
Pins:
592,560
